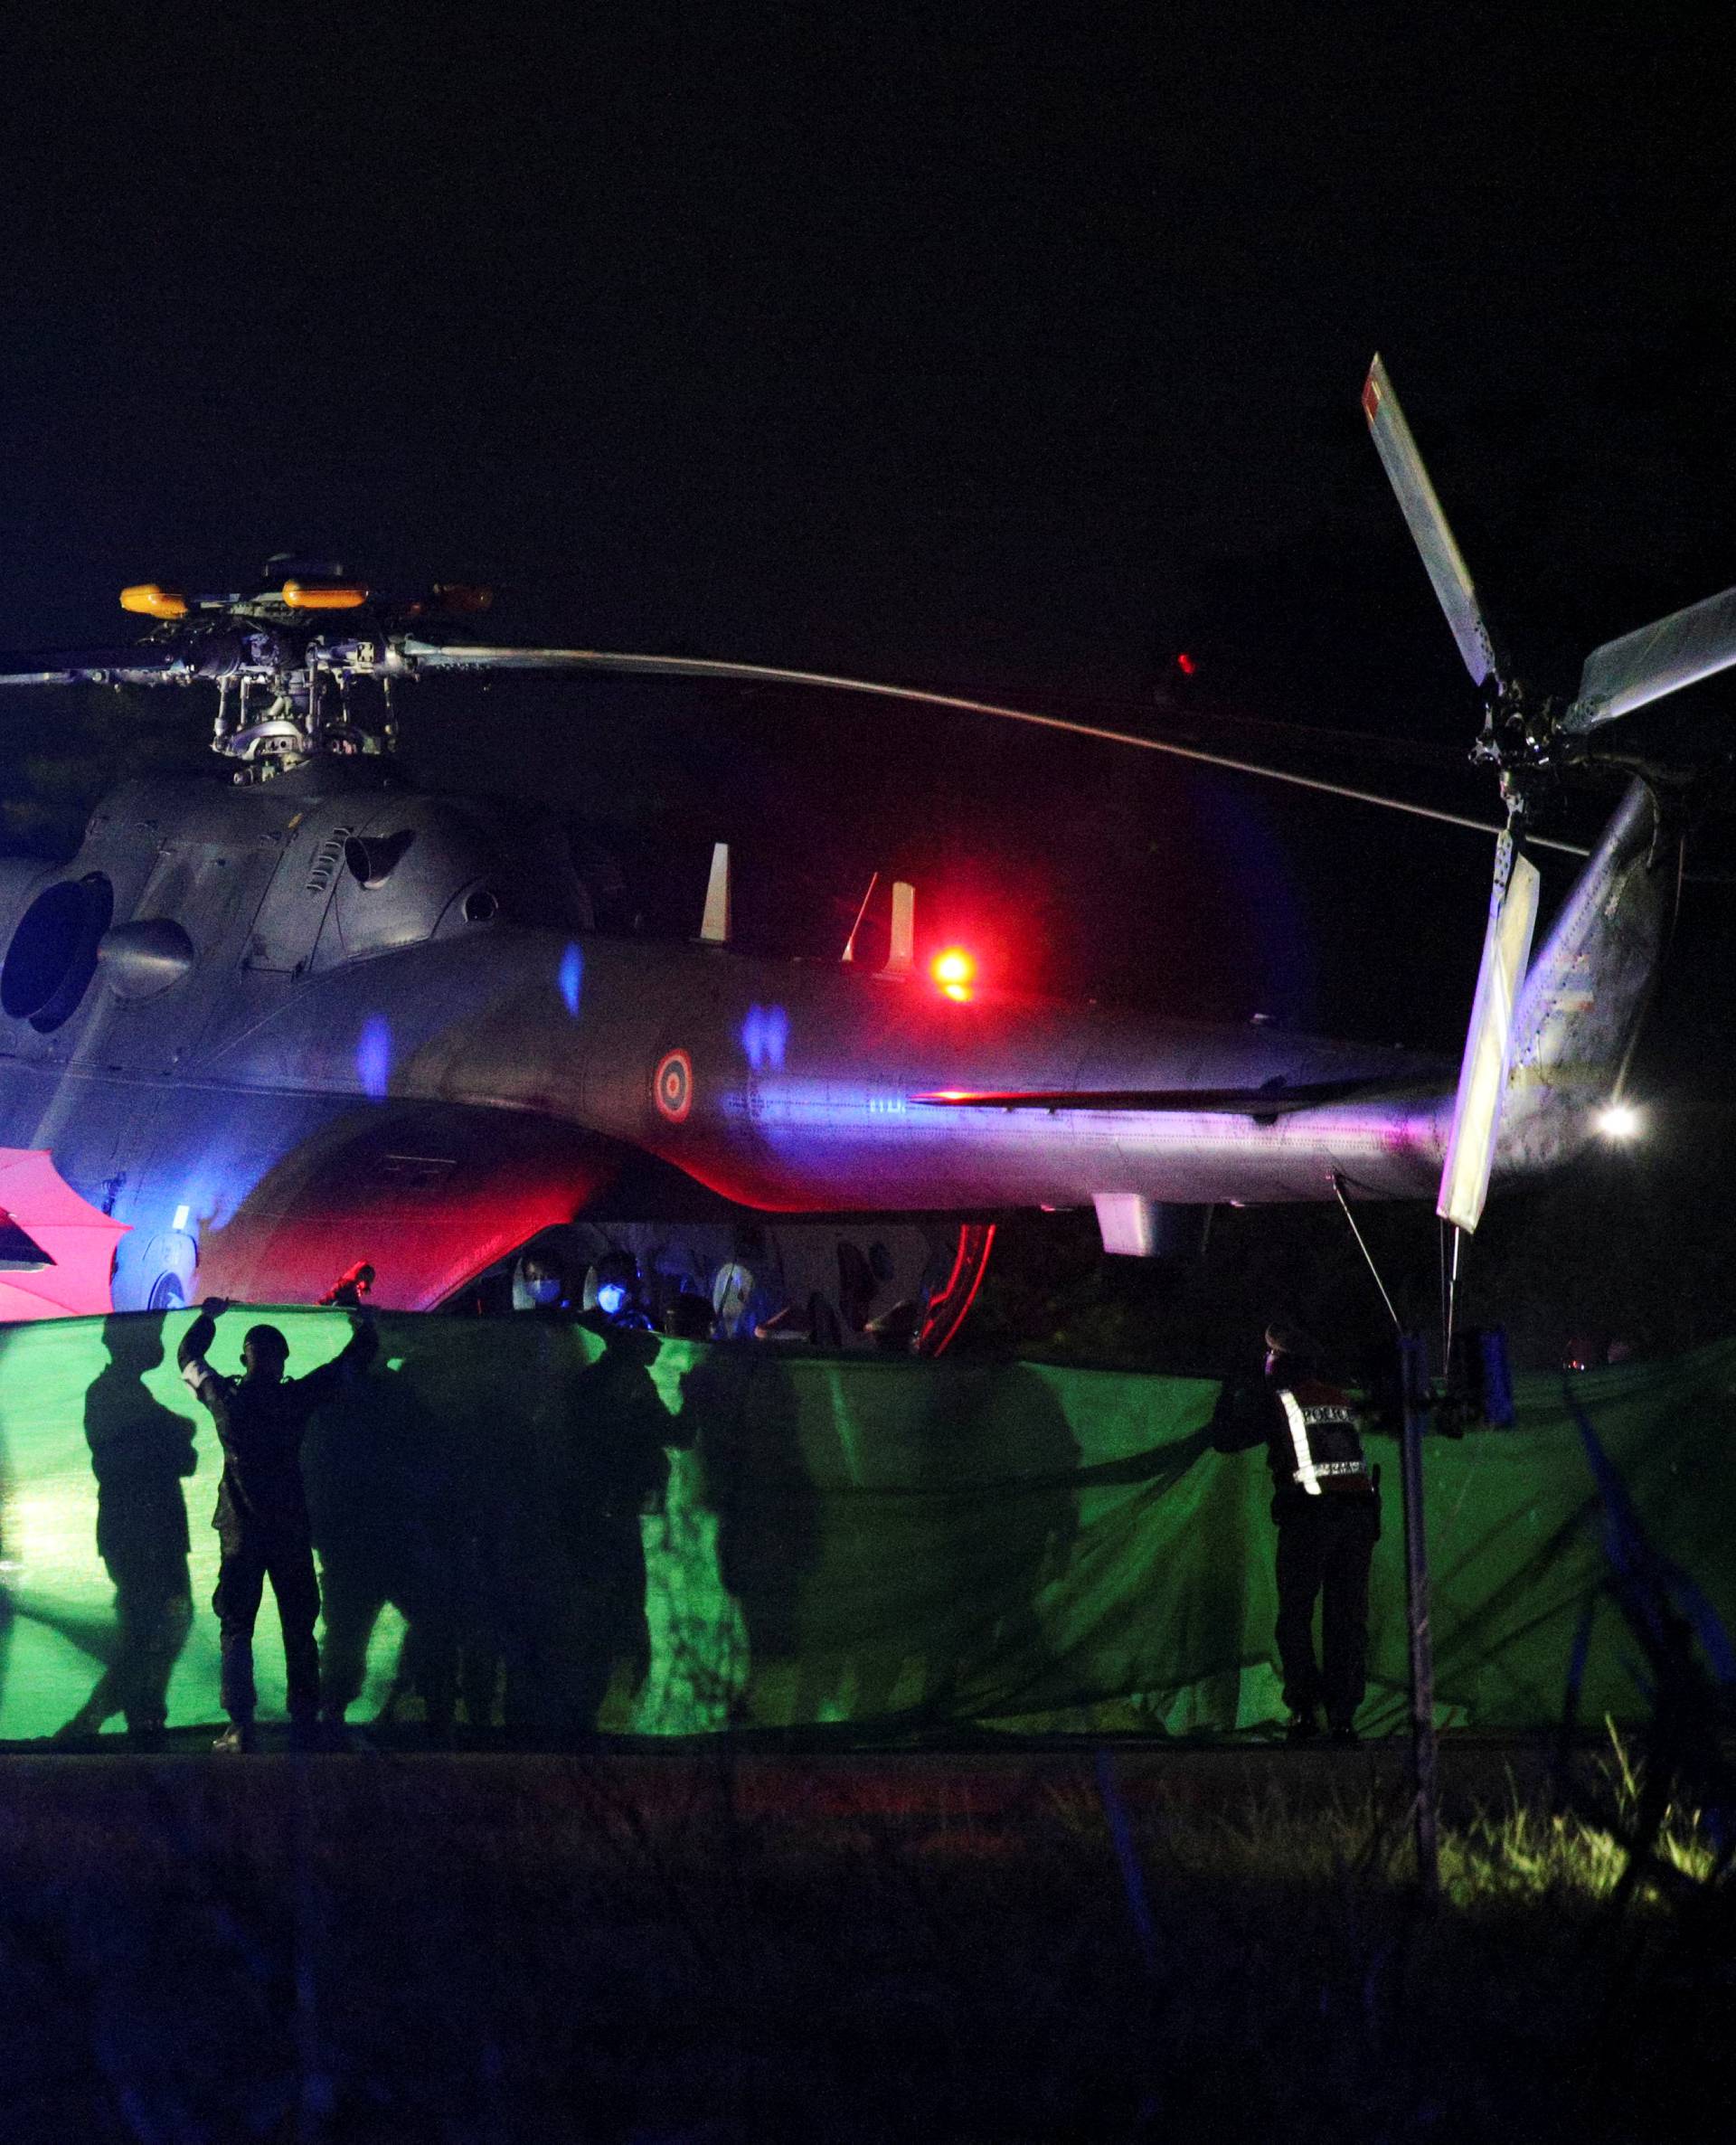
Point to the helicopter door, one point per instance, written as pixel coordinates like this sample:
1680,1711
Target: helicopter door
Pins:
287,925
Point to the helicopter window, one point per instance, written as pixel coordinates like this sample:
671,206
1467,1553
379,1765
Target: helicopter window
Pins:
53,951
480,907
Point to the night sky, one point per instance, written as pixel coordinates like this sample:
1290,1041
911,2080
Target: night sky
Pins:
1014,349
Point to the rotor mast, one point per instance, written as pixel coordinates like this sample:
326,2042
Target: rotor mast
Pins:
305,667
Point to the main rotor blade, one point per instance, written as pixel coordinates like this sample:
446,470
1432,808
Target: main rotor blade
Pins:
1213,726
1454,589
1656,659
430,656
1488,1041
134,666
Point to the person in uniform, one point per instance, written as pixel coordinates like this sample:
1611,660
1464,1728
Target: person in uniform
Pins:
1327,1506
261,1518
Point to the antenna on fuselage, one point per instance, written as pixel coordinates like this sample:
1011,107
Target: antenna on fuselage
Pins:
850,943
714,924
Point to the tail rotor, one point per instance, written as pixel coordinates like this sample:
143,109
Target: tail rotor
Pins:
1526,739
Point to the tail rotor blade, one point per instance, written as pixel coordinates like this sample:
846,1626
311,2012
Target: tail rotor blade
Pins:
1453,586
1659,658
1489,1043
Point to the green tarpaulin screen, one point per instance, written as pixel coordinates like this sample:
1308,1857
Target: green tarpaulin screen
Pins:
868,1544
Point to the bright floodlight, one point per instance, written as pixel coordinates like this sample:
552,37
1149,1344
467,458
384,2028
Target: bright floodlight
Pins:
1620,1121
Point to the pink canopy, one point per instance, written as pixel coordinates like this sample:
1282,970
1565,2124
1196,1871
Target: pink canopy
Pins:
41,1213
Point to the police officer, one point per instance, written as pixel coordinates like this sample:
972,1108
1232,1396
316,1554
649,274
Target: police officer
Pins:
261,1518
1327,1506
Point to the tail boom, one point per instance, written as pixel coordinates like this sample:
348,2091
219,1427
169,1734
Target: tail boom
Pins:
1585,996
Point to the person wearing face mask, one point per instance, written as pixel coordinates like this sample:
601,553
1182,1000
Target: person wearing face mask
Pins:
261,1520
540,1284
619,1309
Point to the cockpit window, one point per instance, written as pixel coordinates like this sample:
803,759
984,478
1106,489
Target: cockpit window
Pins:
53,954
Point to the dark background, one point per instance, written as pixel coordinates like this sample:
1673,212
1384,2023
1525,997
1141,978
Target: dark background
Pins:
1011,350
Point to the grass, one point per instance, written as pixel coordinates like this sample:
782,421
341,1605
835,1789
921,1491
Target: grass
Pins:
511,1949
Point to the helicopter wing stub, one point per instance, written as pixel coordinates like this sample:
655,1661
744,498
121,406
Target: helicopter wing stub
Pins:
1662,658
1427,521
1218,1101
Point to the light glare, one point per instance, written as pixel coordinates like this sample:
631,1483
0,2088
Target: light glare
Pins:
955,971
1620,1121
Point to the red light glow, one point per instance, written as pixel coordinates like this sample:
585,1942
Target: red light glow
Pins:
1185,664
954,971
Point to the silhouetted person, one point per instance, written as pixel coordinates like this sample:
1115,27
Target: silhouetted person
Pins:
688,1318
741,1410
616,1471
508,1402
262,1516
374,1463
1327,1506
140,1450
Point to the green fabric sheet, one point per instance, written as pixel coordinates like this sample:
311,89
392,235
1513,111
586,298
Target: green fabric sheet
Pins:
867,1544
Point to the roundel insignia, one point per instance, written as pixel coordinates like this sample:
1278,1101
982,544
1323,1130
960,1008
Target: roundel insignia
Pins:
673,1084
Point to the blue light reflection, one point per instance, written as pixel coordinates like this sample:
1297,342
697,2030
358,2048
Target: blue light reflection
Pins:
572,978
373,1056
765,1037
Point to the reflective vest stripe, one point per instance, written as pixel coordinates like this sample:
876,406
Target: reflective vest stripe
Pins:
1336,1467
1307,1474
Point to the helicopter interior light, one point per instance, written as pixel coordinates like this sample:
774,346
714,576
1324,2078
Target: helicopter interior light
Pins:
1620,1121
955,972
303,595
153,603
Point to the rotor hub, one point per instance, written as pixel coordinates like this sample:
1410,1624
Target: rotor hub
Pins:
305,666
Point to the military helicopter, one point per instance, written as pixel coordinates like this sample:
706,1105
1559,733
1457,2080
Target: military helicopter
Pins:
314,1012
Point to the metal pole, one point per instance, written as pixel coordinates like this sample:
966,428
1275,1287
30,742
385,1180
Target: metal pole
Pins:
1338,1186
1413,1365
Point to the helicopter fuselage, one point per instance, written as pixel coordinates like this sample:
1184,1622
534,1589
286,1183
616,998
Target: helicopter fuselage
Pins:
273,1028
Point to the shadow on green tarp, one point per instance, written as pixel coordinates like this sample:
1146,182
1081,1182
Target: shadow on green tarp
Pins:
808,1543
